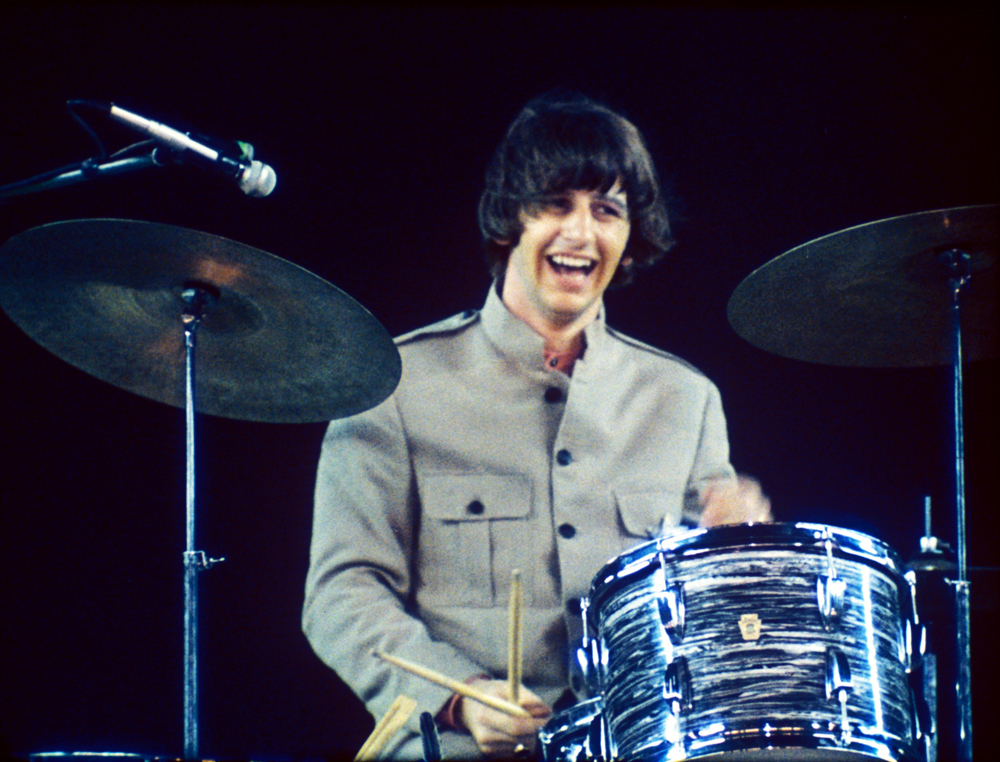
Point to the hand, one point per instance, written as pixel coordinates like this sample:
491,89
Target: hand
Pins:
740,503
498,734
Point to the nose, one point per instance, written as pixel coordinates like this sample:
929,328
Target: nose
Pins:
579,225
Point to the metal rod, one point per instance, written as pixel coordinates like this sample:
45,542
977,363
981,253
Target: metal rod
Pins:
74,176
195,561
958,261
190,555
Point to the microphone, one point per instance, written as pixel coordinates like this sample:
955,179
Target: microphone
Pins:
253,177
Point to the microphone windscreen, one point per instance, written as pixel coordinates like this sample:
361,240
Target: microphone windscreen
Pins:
258,179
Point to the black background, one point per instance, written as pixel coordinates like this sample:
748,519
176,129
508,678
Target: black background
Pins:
771,127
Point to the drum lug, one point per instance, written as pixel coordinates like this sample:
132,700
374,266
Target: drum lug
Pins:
672,612
677,686
838,685
830,590
911,653
600,746
915,635
586,675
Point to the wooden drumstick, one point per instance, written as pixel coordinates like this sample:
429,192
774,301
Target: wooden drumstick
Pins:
455,686
386,728
514,638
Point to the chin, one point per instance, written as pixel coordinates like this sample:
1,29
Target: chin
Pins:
569,310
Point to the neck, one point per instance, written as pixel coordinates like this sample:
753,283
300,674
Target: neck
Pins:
561,339
561,335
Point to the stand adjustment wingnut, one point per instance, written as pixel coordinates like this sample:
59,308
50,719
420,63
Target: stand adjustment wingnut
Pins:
199,560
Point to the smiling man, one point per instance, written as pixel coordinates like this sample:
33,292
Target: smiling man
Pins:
569,249
527,435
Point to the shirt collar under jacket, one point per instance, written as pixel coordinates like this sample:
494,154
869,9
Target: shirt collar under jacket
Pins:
515,338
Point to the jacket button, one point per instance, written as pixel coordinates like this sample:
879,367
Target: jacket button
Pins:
476,508
553,394
567,530
564,457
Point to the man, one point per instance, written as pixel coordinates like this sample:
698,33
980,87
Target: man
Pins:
526,436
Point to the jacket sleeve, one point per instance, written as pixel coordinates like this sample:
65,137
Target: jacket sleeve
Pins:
360,579
711,462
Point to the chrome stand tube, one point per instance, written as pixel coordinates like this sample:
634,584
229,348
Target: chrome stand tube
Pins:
958,262
194,561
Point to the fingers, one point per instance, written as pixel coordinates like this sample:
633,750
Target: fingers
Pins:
728,503
750,495
499,734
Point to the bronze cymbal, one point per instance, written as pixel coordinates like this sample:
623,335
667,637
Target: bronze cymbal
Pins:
279,344
877,295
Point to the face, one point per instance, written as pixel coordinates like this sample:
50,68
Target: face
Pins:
568,252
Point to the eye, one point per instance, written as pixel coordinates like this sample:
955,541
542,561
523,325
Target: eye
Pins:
557,204
609,209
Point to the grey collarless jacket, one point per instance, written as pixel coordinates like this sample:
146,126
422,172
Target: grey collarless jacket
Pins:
481,462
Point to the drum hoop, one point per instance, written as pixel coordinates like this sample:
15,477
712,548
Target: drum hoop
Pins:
806,537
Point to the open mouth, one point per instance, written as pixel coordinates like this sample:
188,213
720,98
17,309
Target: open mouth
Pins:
567,265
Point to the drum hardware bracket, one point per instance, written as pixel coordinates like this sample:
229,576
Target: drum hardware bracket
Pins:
672,612
830,590
197,297
934,553
671,605
677,686
839,684
677,693
587,674
198,560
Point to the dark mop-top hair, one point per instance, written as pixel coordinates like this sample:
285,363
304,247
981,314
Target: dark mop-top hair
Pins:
565,142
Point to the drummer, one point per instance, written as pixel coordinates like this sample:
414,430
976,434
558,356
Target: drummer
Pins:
524,435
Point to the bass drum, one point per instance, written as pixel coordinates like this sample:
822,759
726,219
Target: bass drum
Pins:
757,642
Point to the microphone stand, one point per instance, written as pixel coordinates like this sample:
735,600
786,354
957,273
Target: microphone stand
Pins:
85,171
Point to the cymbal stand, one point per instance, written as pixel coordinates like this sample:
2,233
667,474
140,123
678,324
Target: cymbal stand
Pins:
958,263
198,299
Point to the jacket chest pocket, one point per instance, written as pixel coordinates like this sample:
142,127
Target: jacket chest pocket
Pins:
473,526
647,514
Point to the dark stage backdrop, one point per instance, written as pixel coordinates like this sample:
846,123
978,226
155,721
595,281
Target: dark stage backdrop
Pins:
771,128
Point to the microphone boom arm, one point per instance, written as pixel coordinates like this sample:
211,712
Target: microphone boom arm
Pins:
85,171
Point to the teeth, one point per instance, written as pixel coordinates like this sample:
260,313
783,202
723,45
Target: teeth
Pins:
564,260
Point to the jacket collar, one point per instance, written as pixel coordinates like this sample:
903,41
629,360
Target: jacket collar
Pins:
514,338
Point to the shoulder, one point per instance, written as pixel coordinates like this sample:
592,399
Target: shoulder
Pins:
454,325
441,348
641,352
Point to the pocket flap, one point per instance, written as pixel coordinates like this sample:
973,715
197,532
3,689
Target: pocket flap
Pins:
643,513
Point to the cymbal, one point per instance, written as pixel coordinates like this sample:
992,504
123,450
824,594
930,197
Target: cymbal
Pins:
279,344
877,295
